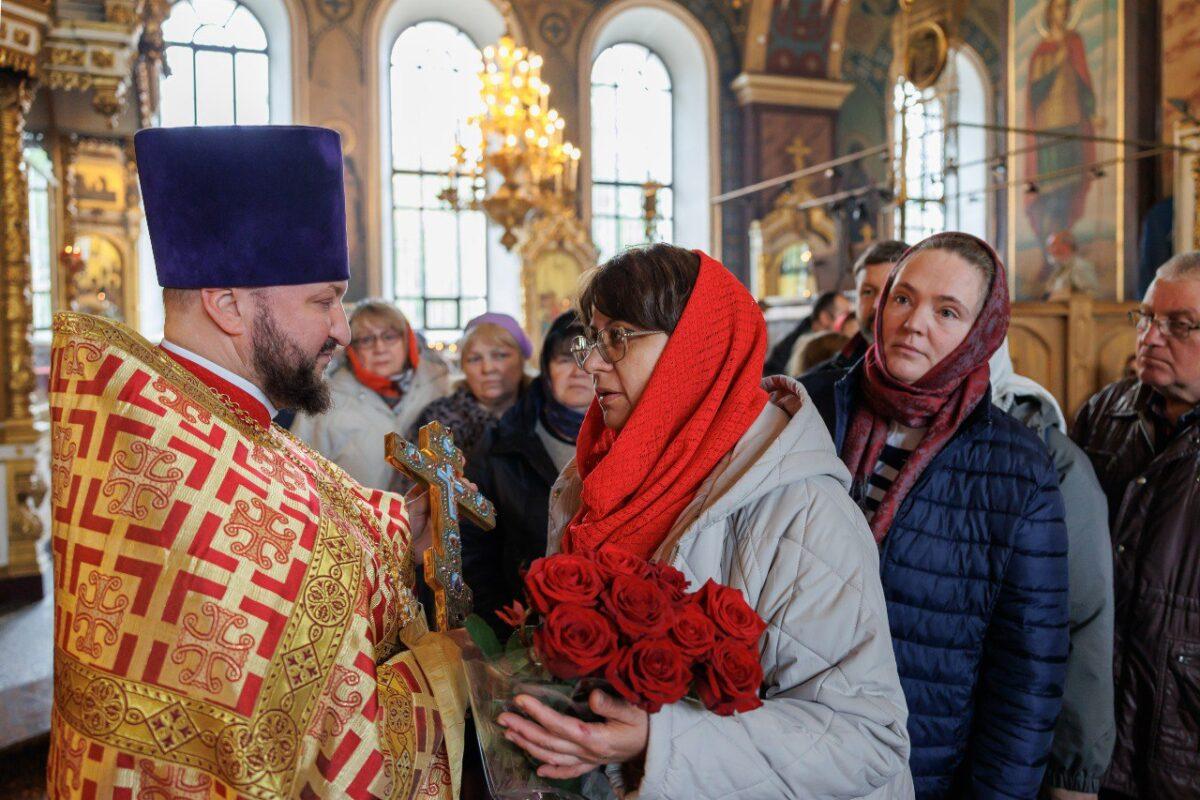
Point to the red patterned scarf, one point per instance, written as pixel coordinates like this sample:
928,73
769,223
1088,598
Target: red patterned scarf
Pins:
939,401
703,396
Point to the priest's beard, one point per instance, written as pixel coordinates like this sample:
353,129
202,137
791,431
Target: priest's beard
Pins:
289,376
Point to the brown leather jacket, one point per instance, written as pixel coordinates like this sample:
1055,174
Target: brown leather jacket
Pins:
1151,477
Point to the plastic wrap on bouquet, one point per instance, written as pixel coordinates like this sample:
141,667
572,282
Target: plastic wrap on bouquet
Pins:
493,683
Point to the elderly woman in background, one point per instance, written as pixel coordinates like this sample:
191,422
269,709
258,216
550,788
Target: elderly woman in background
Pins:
493,351
515,465
384,383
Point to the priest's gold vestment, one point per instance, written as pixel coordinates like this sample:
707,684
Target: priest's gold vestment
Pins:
234,615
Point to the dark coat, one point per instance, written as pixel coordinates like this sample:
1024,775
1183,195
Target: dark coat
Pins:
1154,515
840,362
1086,730
974,570
777,358
512,469
461,413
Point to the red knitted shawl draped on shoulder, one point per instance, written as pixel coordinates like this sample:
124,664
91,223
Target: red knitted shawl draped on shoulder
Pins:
704,395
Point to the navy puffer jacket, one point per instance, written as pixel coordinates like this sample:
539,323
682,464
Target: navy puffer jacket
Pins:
974,571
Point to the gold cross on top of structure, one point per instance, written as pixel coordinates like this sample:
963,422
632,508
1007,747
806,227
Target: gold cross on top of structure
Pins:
438,464
799,151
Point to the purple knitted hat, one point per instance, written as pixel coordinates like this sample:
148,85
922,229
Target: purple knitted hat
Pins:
509,324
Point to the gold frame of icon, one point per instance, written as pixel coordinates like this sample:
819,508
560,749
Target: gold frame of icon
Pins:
942,47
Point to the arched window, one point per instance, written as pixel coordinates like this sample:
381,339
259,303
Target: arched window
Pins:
941,152
219,55
439,255
648,74
921,152
632,110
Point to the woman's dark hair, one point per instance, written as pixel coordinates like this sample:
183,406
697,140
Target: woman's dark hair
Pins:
966,247
559,338
645,286
826,302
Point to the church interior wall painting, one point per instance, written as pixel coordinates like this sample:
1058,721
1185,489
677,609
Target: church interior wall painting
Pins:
799,41
1180,72
1065,195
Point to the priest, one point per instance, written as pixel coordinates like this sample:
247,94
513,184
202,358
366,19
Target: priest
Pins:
234,615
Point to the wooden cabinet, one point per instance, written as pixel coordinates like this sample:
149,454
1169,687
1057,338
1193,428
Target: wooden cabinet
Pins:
1073,348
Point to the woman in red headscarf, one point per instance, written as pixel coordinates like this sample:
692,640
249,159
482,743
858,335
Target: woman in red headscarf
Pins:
686,457
381,388
964,503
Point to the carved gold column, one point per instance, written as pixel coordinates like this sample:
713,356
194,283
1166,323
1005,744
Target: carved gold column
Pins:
20,434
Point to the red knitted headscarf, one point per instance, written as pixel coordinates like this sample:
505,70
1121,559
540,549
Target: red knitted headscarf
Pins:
703,396
939,401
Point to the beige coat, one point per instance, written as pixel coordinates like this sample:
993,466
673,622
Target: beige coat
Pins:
774,520
351,433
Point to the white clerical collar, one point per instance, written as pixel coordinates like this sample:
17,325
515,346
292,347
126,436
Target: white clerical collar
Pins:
237,380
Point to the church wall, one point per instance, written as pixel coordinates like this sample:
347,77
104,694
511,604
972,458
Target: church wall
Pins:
336,46
1180,71
344,45
865,118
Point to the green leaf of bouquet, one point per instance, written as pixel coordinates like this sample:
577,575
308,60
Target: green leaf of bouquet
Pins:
484,637
514,642
572,785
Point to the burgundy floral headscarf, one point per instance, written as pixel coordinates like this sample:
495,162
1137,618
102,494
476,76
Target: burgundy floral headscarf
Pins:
939,401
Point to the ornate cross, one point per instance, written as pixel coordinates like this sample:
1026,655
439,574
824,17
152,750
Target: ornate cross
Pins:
438,463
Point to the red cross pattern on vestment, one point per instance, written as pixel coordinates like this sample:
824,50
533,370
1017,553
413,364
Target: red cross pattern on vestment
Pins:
150,476
336,709
276,467
99,614
174,399
76,356
173,784
218,654
262,530
62,450
65,771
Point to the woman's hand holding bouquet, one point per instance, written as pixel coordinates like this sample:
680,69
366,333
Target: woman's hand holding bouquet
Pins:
613,620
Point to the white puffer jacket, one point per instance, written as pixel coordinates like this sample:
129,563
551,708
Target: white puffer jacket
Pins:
351,432
775,521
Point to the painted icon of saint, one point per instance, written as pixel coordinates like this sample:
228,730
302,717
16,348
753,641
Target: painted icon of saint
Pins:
1061,98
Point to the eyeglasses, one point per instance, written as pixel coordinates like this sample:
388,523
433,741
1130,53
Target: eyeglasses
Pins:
367,342
611,343
1175,328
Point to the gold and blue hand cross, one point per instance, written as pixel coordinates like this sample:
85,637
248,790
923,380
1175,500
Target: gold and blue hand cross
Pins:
438,464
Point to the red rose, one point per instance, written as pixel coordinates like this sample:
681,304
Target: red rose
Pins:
575,642
729,611
615,561
672,581
562,579
730,679
638,607
693,632
650,674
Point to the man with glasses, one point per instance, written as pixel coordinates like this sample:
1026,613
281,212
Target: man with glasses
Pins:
1143,437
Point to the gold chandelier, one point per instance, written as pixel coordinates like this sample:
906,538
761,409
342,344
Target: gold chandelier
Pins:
520,141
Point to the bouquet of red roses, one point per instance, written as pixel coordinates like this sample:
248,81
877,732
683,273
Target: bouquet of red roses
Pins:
611,616
608,620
